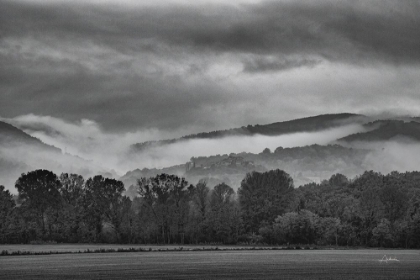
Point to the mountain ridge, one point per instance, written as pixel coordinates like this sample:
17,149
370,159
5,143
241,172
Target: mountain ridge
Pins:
307,124
10,134
384,130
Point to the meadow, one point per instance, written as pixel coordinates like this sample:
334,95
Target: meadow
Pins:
220,264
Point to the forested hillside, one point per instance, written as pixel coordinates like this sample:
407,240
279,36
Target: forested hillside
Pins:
304,164
384,130
310,124
369,210
12,136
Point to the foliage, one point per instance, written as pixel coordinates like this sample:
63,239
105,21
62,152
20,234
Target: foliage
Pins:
370,210
264,196
165,198
7,207
39,191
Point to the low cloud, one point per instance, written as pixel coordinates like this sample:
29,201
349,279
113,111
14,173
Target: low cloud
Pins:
111,151
181,152
90,150
87,140
398,154
22,158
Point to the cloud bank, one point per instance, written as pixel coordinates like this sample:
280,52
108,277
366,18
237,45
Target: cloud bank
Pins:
89,150
111,151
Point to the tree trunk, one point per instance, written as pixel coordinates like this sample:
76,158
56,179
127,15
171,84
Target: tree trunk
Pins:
43,224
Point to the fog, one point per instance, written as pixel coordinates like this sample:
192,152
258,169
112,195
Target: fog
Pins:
22,158
182,152
111,151
88,150
394,155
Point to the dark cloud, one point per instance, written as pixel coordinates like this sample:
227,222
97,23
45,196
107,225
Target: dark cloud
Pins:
169,66
343,30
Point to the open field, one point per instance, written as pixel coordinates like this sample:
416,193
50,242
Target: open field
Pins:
74,248
266,264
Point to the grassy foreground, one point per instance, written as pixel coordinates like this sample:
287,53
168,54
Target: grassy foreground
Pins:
244,264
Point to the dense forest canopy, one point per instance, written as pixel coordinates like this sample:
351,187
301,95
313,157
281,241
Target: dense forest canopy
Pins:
369,210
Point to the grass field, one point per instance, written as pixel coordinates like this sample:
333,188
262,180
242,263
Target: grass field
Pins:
265,264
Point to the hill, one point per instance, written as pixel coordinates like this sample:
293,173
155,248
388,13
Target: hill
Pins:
384,130
306,164
20,153
309,124
311,163
10,135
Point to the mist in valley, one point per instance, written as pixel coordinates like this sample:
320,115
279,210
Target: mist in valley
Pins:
112,151
89,150
181,152
400,154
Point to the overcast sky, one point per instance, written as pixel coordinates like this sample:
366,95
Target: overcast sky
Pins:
190,66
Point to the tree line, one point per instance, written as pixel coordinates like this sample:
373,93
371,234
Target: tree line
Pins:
369,210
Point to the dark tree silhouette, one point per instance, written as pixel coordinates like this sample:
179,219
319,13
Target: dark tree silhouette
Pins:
7,205
39,190
264,196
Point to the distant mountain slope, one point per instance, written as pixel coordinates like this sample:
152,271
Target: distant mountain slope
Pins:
20,153
308,124
383,130
10,135
305,164
16,147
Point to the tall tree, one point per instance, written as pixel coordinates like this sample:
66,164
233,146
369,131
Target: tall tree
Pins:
72,192
102,199
7,205
166,198
201,197
72,189
223,220
39,190
198,222
263,197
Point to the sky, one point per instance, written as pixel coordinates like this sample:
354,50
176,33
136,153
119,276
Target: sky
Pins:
179,66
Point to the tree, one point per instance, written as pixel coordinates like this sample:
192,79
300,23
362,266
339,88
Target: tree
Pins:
328,229
72,188
338,180
263,197
7,206
166,199
223,220
221,195
69,218
414,231
39,190
201,197
101,202
366,188
294,227
382,233
266,151
394,200
120,217
198,226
